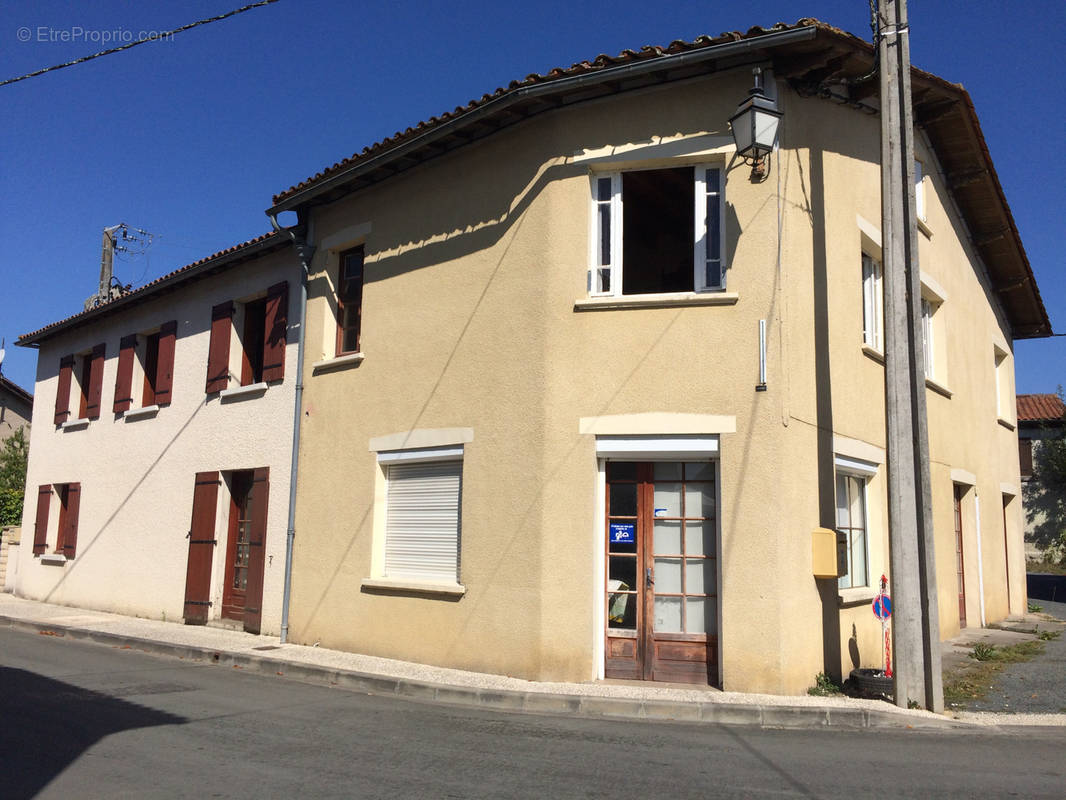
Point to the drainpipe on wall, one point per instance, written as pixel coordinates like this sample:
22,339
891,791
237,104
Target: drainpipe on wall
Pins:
305,252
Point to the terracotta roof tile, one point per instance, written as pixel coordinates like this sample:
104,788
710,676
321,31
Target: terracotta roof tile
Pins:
29,338
1034,407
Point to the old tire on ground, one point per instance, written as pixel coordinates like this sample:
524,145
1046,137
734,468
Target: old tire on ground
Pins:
871,682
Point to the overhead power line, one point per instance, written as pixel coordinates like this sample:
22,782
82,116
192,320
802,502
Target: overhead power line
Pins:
153,38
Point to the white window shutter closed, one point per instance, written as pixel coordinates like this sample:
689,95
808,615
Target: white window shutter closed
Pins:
422,523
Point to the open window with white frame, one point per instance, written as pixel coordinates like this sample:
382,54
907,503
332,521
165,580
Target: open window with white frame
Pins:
1004,384
853,518
658,231
873,304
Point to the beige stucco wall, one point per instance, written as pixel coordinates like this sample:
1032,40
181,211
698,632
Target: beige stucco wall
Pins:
476,266
137,475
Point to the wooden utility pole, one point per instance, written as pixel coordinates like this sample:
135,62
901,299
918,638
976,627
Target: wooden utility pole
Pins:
915,624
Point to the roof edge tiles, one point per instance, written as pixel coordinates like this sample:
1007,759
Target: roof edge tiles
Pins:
215,262
1040,408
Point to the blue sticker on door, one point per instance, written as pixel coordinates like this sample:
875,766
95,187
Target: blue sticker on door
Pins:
623,532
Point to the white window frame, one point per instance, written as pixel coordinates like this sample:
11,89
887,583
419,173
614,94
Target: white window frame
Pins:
929,308
859,470
431,578
919,190
605,273
873,303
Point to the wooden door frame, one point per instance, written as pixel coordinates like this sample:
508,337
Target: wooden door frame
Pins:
644,634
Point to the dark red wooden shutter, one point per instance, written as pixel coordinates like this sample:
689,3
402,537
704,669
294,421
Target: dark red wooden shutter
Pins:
69,535
201,548
40,525
127,351
275,332
218,350
164,371
66,371
96,382
253,597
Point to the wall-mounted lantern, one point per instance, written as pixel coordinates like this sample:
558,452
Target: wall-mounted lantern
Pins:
754,127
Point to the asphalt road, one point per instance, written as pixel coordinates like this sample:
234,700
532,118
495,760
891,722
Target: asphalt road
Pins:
83,720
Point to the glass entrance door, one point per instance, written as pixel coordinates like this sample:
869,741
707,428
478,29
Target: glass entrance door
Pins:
662,588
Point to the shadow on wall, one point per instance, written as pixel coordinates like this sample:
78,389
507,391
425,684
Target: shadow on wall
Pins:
48,725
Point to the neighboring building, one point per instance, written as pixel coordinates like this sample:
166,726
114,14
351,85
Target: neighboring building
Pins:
1040,417
159,466
536,439
16,407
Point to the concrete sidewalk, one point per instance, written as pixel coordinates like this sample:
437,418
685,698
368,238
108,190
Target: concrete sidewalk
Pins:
379,676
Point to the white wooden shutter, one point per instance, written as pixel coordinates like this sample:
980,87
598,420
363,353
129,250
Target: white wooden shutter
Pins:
422,524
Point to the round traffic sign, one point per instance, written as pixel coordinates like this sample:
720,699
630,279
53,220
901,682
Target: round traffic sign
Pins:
883,606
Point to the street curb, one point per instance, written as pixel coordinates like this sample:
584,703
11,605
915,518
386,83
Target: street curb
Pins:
589,706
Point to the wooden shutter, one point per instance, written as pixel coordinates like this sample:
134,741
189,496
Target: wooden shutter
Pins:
275,332
164,371
69,535
66,372
1025,457
201,548
96,382
127,351
422,523
253,596
218,350
40,525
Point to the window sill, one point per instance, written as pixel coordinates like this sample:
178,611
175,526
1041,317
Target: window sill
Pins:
402,585
55,559
339,362
75,424
243,392
140,413
664,300
855,596
1006,423
938,387
876,355
923,226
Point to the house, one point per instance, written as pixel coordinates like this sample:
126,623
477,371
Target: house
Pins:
579,385
158,477
1040,417
16,405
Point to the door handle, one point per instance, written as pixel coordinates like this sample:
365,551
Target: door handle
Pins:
648,579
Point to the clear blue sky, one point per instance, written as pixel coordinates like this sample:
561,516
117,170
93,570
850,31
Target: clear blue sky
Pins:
190,138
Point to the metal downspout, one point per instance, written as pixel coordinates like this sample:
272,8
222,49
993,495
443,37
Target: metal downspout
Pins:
304,252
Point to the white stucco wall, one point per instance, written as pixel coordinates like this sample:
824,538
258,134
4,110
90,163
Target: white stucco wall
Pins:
137,475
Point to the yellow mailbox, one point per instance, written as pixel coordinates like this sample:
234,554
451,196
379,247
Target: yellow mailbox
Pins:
824,553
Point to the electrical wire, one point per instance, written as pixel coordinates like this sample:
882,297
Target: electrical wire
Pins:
139,41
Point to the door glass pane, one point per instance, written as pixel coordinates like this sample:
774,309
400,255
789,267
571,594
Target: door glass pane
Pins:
699,499
699,576
623,499
667,537
668,575
624,570
701,615
621,471
699,538
667,614
667,500
699,471
667,471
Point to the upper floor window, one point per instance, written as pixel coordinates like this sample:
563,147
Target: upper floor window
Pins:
1004,391
919,190
145,368
248,339
872,304
658,230
349,300
80,380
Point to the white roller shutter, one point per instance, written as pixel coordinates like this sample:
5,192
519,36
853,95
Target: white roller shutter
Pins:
422,524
